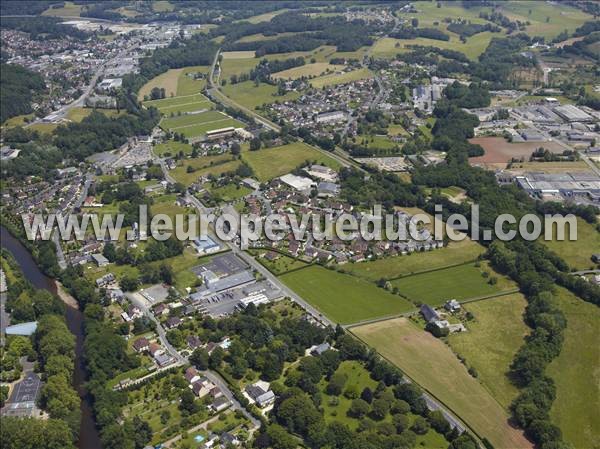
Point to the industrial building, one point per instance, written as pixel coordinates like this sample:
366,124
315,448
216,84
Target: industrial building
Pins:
571,113
581,188
331,117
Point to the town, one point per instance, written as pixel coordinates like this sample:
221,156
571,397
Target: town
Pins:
304,109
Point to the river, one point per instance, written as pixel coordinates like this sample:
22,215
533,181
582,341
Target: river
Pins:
88,434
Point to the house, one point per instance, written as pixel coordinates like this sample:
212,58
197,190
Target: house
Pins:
328,189
161,309
141,345
202,387
103,281
163,359
260,393
320,349
173,322
115,294
191,375
227,439
220,404
154,348
429,313
452,305
193,342
100,260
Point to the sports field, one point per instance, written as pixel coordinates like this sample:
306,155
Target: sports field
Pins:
344,298
167,81
269,163
251,96
194,125
577,253
483,348
334,79
184,103
460,282
307,70
429,362
576,374
392,267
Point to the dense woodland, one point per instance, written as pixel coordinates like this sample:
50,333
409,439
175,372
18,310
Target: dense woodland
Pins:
17,88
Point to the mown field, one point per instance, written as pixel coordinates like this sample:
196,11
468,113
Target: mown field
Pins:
344,298
202,166
269,163
434,366
307,70
171,148
250,96
392,267
167,81
78,114
577,253
334,79
184,103
576,373
460,282
187,84
482,348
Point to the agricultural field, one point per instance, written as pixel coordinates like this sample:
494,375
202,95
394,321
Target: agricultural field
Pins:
483,350
577,253
432,365
238,54
184,103
344,298
250,96
264,17
334,79
18,120
461,282
269,163
172,148
499,151
194,125
187,84
237,66
167,81
307,70
392,267
549,167
43,128
203,166
68,9
78,114
576,374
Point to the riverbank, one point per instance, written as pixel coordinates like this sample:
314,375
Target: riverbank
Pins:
65,296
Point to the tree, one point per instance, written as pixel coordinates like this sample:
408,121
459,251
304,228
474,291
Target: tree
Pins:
216,357
358,408
414,22
336,384
401,422
381,407
175,337
255,144
200,358
279,438
438,422
235,148
129,283
420,426
188,402
367,395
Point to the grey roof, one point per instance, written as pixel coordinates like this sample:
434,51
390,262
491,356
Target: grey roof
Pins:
429,313
265,398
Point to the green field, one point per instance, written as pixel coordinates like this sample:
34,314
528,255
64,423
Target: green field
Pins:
461,282
203,165
230,192
251,96
577,253
187,85
68,9
237,66
482,348
185,103
344,298
334,79
432,365
172,147
281,265
576,374
78,114
307,70
269,163
194,125
392,267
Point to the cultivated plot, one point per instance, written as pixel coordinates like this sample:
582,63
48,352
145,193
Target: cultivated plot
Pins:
434,366
344,298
